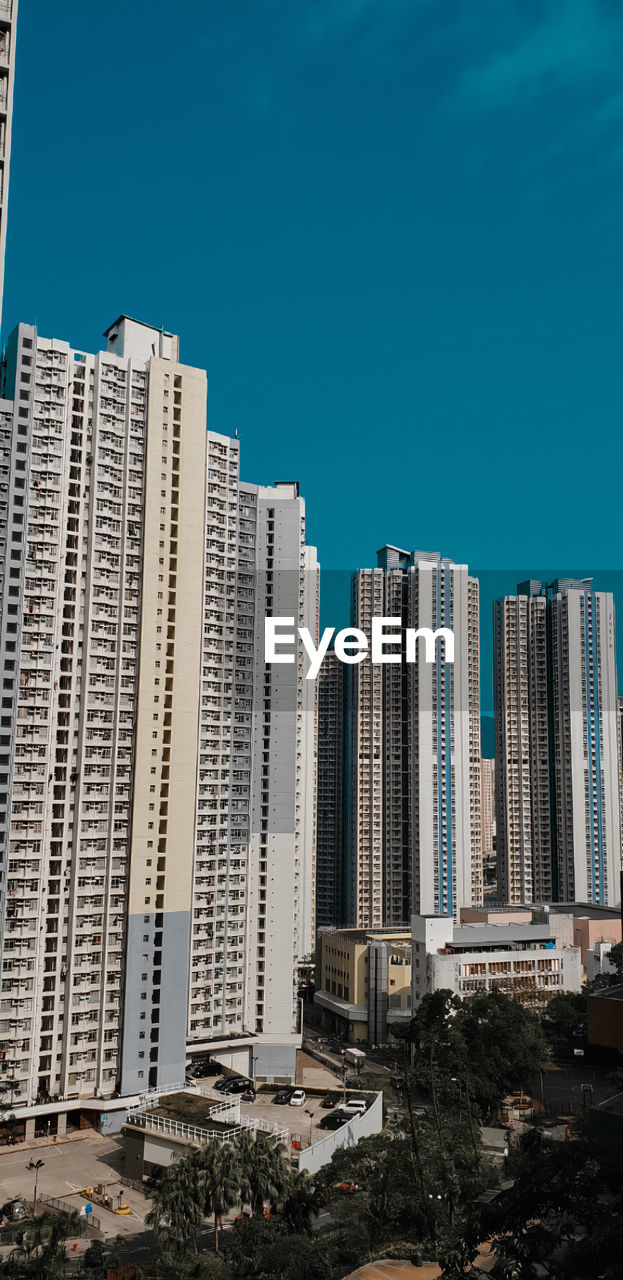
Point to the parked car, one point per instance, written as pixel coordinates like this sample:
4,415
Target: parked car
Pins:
348,1188
334,1120
354,1107
283,1096
15,1210
205,1067
298,1098
330,1100
234,1084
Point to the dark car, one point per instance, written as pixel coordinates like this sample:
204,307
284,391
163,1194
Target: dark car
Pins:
334,1120
283,1096
205,1067
234,1084
330,1100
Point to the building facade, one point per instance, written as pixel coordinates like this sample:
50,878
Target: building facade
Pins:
253,908
330,797
415,753
528,961
487,806
140,880
8,27
364,987
523,747
558,785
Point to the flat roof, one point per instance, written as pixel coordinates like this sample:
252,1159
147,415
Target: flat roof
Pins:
482,934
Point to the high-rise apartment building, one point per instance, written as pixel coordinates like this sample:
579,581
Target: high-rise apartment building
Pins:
102,512
8,25
253,886
557,744
122,722
330,794
415,757
487,806
522,747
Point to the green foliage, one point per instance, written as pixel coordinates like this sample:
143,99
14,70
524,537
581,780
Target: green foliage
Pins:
40,1254
253,1171
566,1016
486,1047
259,1250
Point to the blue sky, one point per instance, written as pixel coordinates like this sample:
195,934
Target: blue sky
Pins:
390,229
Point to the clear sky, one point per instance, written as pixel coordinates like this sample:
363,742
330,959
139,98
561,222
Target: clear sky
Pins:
391,230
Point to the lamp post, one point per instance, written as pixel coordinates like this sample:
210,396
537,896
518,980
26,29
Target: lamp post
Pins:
311,1116
35,1165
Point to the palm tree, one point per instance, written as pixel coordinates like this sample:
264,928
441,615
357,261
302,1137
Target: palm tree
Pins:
176,1214
218,1181
265,1173
300,1205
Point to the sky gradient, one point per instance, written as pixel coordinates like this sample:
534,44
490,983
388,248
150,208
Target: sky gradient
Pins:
390,230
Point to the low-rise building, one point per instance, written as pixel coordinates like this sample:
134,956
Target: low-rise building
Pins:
582,923
529,961
364,982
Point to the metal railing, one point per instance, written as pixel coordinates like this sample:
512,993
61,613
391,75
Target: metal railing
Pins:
193,1133
86,1220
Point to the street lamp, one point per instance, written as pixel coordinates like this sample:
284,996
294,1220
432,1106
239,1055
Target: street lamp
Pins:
311,1116
36,1165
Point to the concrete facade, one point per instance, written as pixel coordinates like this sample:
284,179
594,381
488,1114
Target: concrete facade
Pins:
529,962
364,982
415,751
156,801
254,870
558,783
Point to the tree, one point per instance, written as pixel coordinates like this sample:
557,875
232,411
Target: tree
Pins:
259,1250
486,1046
40,1253
218,1181
176,1214
565,1016
265,1172
300,1206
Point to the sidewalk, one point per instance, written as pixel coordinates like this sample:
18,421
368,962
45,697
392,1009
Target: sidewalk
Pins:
51,1140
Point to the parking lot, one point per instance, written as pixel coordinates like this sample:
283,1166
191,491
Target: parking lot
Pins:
301,1122
70,1166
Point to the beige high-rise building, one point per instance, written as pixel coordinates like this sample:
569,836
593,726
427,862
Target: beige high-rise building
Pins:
103,473
415,757
156,783
8,25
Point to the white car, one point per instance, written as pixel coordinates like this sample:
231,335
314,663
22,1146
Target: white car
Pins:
298,1098
354,1107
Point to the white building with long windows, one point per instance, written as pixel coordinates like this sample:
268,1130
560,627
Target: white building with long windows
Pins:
254,871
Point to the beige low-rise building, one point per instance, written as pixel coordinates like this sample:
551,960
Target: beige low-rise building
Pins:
364,982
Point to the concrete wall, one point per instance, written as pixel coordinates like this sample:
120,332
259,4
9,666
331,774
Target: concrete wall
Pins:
316,1156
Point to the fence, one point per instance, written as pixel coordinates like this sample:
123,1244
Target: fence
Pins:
63,1207
192,1132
